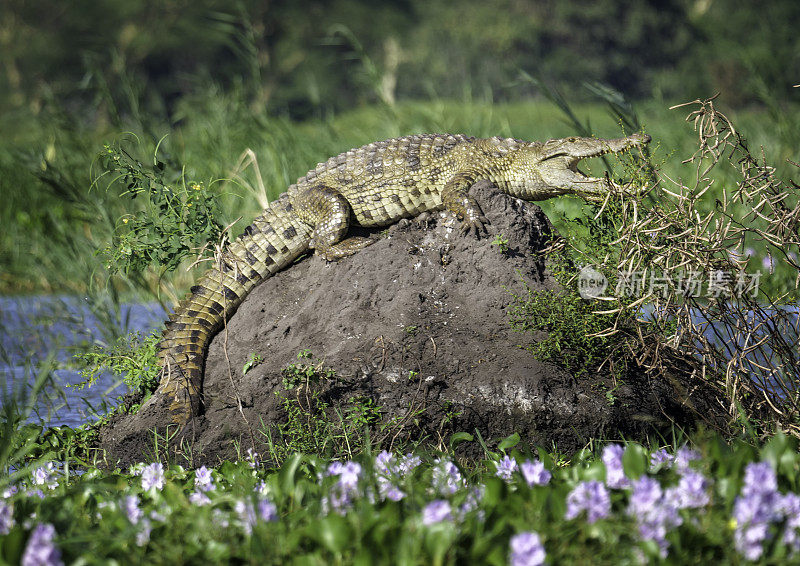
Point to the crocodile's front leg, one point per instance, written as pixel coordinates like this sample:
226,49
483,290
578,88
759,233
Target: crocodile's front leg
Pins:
329,212
457,200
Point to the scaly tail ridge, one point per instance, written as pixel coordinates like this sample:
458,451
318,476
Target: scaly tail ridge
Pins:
273,241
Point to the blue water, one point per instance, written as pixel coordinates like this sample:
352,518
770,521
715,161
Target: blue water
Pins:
36,329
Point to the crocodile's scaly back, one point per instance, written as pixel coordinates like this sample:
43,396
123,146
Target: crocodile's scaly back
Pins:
374,185
274,240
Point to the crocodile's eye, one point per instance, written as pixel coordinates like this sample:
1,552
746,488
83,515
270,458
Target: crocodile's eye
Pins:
572,140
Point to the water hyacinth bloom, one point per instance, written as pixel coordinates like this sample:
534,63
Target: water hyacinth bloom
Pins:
589,496
661,458
247,515
526,550
387,471
41,550
758,505
447,479
790,505
340,498
130,506
407,463
143,535
199,498
6,517
655,511
203,480
684,457
44,476
506,468
535,473
615,474
692,490
437,511
471,502
153,477
253,459
266,510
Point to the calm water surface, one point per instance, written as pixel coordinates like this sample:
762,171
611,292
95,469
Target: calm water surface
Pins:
34,328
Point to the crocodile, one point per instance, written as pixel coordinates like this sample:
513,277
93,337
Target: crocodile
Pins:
372,186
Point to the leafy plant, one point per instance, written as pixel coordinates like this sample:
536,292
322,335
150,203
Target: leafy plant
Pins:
131,357
178,218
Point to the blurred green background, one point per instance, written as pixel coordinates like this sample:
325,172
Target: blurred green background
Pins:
297,82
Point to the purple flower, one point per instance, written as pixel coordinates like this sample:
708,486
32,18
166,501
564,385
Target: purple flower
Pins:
471,502
655,512
40,549
253,459
768,263
44,476
758,505
349,472
506,468
791,510
386,463
661,458
526,550
408,463
9,491
199,498
590,496
437,511
203,480
247,515
692,490
615,474
130,506
340,497
535,473
267,511
749,541
6,517
387,473
153,477
143,535
684,457
446,478
759,478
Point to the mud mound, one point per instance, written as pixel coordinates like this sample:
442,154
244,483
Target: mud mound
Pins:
416,324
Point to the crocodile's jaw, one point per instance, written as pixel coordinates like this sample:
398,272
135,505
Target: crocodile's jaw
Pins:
554,171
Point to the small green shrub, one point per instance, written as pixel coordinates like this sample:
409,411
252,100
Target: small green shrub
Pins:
131,357
178,219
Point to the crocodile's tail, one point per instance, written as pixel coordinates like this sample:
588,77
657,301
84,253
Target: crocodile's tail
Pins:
273,241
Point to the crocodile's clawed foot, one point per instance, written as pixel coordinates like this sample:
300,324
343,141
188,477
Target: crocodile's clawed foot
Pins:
345,248
475,225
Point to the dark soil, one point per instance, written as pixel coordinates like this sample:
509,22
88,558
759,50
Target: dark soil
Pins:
417,323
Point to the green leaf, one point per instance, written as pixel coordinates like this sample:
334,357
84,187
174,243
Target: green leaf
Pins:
459,437
508,442
334,533
635,461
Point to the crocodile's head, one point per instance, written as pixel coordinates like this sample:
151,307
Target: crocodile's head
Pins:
551,168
